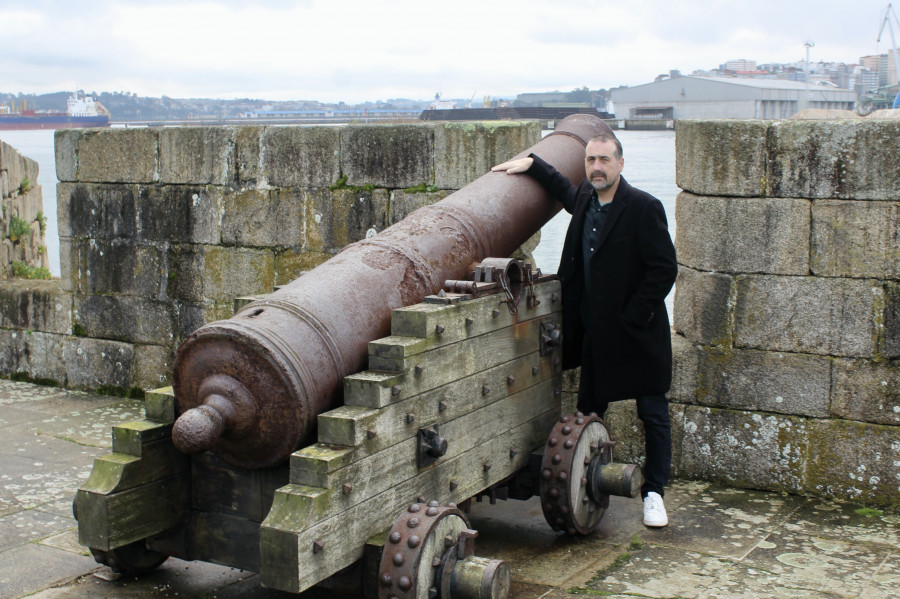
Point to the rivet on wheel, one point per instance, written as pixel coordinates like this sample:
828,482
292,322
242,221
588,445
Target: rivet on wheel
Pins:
566,429
565,510
564,419
556,459
552,441
563,476
412,522
578,414
548,507
569,443
554,492
404,583
433,503
413,541
432,511
398,559
579,421
414,508
547,474
395,537
386,580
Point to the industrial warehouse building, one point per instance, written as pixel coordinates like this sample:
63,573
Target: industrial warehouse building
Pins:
691,97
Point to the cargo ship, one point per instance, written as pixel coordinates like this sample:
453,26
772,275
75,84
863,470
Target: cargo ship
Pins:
81,111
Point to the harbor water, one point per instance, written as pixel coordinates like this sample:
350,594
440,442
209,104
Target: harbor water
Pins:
649,165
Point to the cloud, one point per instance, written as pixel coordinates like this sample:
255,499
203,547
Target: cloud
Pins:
354,51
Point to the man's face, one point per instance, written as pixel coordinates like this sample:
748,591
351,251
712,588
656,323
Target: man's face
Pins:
601,167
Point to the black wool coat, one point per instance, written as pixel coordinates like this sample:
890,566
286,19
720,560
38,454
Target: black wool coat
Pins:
631,273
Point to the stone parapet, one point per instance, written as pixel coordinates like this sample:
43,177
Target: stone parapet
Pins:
162,228
787,309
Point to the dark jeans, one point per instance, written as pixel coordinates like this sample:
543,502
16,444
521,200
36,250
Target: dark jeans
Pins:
653,410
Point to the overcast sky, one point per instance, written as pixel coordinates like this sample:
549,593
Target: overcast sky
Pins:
353,51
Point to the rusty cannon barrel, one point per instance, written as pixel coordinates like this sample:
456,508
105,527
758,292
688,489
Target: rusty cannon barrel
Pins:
250,387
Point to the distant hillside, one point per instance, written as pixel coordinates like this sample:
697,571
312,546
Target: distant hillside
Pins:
124,106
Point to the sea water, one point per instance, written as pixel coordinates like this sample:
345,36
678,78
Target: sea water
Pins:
649,165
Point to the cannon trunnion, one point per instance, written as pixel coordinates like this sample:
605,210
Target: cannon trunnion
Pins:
462,399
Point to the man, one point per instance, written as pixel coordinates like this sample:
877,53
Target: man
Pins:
617,267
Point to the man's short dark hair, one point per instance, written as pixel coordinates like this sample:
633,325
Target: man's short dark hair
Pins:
609,137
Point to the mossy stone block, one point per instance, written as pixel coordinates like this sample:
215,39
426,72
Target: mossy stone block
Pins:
817,315
208,273
118,156
263,218
180,213
750,235
703,307
834,159
97,211
197,155
391,156
465,151
301,156
855,239
746,449
721,157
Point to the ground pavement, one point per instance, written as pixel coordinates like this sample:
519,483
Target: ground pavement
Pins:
720,543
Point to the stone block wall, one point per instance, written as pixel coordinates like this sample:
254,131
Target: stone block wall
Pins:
161,229
21,218
787,308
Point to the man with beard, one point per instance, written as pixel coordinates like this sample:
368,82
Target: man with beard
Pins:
618,265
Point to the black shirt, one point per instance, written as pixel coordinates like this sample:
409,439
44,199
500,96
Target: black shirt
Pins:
594,219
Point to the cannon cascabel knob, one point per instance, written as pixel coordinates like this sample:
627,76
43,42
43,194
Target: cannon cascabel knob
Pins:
227,409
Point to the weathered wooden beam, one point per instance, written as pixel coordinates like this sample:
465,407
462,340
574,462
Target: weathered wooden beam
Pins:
350,425
338,541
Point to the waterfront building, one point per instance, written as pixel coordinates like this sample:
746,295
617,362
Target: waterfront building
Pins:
692,97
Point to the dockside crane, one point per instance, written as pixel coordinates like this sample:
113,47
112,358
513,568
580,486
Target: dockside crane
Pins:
886,21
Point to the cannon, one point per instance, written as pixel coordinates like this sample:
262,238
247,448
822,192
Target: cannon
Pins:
429,373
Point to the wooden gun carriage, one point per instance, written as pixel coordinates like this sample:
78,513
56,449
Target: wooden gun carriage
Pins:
459,397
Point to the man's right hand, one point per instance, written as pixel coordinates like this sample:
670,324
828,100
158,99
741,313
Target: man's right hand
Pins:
513,167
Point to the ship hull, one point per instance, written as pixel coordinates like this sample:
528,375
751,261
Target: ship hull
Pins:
18,122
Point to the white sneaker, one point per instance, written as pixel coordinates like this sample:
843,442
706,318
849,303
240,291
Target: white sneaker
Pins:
654,511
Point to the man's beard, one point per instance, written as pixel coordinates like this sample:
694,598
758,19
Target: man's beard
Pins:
603,186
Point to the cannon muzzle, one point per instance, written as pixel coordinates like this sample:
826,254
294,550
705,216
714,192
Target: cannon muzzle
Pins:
251,387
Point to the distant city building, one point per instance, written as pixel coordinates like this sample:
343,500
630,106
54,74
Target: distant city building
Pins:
882,64
692,97
740,65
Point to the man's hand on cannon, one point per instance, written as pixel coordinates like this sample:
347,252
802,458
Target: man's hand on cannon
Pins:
513,167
